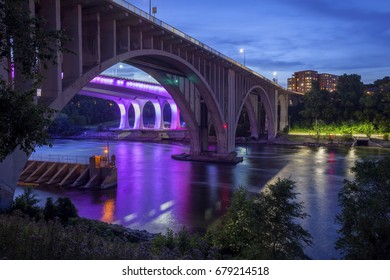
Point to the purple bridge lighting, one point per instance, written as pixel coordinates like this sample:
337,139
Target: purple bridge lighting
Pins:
126,93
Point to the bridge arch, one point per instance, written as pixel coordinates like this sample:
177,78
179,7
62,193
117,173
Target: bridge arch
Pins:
184,70
269,111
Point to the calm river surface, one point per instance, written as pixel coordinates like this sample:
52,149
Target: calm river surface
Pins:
156,192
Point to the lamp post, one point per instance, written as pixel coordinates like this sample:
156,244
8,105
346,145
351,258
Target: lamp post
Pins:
152,10
243,52
275,79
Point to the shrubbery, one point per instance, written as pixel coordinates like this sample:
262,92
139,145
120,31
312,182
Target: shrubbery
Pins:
365,212
261,227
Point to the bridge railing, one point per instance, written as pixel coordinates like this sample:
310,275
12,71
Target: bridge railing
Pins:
172,29
60,158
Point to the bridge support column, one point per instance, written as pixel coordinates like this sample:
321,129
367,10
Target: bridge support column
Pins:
158,121
230,126
137,114
52,84
283,122
10,169
73,64
254,125
175,115
273,124
141,103
124,106
204,131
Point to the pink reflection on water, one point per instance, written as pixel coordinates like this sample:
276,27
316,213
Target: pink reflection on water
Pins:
147,197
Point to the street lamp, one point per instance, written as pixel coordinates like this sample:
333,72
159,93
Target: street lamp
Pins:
152,9
275,79
243,52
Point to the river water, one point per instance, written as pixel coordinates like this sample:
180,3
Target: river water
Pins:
156,192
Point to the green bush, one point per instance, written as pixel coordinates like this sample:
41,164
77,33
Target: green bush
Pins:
264,226
365,210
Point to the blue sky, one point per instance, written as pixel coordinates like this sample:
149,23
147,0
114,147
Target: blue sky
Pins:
348,36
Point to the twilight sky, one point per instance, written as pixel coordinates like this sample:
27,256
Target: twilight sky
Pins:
346,36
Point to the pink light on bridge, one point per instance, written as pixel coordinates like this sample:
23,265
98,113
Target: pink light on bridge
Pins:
131,84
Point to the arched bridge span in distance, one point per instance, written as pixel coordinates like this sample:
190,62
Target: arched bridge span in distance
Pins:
206,85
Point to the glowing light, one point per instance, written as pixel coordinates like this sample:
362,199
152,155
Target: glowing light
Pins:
130,217
165,206
108,211
158,119
225,125
137,114
122,109
132,84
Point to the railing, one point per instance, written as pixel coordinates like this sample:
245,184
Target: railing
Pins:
172,29
60,158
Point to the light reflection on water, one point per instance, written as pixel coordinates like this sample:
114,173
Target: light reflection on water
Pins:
156,192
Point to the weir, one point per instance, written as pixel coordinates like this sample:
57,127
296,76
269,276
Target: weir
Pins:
98,174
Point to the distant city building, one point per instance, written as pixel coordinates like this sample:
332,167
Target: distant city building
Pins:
302,81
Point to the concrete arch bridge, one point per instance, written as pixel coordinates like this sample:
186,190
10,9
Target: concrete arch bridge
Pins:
206,85
126,93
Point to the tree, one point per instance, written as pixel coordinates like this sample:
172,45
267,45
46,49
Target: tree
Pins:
348,93
25,48
50,211
65,209
365,212
318,105
27,203
263,227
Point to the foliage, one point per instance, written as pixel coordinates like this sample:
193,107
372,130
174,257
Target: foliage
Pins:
62,126
363,109
318,105
22,238
365,212
26,203
263,227
86,110
22,123
183,245
25,48
63,209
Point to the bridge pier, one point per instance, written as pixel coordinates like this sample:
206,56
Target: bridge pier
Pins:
124,106
10,169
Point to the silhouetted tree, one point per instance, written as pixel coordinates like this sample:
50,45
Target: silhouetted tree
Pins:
25,47
319,105
348,93
264,226
27,203
365,212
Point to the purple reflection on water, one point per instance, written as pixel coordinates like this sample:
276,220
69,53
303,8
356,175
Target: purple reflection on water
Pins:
156,192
